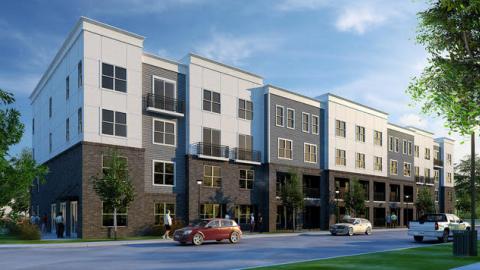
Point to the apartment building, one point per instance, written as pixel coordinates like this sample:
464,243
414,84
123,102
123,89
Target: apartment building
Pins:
204,139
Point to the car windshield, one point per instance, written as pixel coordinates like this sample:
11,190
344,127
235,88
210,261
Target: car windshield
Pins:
199,223
349,220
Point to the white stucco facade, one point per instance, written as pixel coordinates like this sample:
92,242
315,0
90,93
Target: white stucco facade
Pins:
447,149
424,140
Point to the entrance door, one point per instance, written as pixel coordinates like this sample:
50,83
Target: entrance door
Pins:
53,213
63,209
73,219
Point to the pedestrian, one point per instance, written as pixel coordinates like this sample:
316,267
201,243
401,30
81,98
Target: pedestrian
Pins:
252,223
44,223
260,223
60,225
167,222
394,219
227,216
389,220
34,219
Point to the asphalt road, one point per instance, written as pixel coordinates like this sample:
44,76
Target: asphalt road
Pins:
170,255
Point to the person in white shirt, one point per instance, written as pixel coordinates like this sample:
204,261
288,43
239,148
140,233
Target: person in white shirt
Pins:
167,222
252,223
60,225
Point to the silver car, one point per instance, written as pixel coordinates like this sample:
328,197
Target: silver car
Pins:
352,226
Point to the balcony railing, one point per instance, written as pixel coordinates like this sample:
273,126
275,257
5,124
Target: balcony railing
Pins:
437,162
212,150
164,103
247,154
429,180
419,179
311,192
379,196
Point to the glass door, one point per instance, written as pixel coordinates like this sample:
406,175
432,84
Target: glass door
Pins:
53,213
73,219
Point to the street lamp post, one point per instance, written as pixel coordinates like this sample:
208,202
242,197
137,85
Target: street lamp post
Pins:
336,204
408,213
199,185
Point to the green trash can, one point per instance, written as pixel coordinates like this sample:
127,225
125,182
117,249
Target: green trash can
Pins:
465,243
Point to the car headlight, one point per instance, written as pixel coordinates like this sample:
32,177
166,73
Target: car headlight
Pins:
187,232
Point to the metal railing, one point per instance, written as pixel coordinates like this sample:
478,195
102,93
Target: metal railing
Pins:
164,103
437,162
247,154
419,179
429,180
212,150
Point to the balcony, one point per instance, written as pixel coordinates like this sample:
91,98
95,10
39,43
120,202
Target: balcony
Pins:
437,162
419,179
212,151
429,181
311,193
164,105
379,196
247,156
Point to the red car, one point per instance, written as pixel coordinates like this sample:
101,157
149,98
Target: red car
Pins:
207,230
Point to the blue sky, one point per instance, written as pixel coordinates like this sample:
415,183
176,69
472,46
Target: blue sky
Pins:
362,50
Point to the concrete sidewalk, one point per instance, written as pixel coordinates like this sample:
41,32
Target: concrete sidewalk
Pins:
474,266
161,241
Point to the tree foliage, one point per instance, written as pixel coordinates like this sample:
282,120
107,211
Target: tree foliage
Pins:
424,202
462,184
292,195
449,86
114,186
16,173
355,199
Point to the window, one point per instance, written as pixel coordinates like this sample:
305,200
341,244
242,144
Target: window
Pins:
245,109
242,214
405,147
427,174
67,129
393,167
279,116
436,175
315,124
449,178
210,210
407,169
360,161
164,88
427,153
360,133
436,195
107,216
33,126
161,209
107,163
449,159
397,145
390,144
410,146
163,173
417,171
114,78
310,153
340,128
305,122
377,163
290,118
340,157
50,142
79,121
67,88
246,179
377,138
211,101
163,132
80,74
450,196
284,149
417,151
212,176
50,107
114,123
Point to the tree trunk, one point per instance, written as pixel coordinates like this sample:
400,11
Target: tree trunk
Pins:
294,219
472,181
284,217
115,223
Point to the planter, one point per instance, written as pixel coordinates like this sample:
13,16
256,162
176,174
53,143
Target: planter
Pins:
465,243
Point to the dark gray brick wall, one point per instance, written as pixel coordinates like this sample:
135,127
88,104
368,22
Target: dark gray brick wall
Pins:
400,157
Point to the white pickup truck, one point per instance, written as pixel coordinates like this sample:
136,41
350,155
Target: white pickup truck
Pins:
439,226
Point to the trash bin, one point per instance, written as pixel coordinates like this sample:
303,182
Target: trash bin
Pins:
465,243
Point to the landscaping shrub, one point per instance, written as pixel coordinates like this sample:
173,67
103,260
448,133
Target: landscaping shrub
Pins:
159,230
27,231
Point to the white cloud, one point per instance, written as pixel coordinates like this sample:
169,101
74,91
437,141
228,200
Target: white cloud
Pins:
412,119
234,49
359,18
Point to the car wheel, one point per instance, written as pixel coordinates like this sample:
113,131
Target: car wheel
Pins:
197,239
350,231
444,238
418,238
368,231
234,237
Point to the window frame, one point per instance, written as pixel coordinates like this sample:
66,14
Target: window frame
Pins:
375,163
427,150
174,174
211,101
377,141
314,116
114,124
155,77
391,144
212,176
310,145
359,137
282,116
293,119
359,162
337,129
113,78
416,151
410,148
111,214
308,123
409,165
161,215
67,129
246,180
67,88
245,110
174,132
278,149
339,158
79,120
396,145
391,166
405,147
79,74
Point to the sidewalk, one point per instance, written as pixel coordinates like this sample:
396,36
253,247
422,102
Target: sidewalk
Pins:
474,266
161,241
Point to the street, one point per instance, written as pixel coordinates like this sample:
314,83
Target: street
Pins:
169,255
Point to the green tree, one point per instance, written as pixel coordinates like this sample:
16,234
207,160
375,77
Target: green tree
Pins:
114,186
292,195
424,202
462,185
355,199
18,172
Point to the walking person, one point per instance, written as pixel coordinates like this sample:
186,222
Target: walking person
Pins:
389,220
44,223
252,223
260,223
167,222
394,219
60,225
